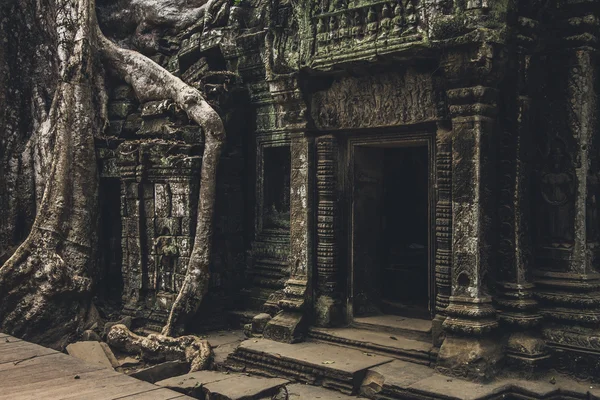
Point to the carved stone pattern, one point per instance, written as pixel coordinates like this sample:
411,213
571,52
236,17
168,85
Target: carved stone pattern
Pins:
326,218
443,225
399,98
340,26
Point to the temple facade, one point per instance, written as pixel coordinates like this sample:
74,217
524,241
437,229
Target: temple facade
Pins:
435,162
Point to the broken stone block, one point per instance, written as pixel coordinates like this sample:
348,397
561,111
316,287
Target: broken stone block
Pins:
247,330
109,354
303,391
191,384
259,322
90,336
242,386
91,352
162,371
128,362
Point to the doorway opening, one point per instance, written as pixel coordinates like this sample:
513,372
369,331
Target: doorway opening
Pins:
391,230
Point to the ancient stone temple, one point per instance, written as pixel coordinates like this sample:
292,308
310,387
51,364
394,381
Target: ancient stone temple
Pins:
429,168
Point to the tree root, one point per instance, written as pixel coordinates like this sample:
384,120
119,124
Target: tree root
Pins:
46,285
160,348
152,82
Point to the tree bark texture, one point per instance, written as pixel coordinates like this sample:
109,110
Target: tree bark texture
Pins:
47,283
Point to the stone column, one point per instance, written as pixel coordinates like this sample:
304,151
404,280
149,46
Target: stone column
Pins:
443,230
469,350
290,324
132,250
328,306
568,186
525,350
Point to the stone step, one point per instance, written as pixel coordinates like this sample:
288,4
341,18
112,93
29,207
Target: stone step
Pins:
223,385
301,391
404,380
319,364
381,343
411,328
239,318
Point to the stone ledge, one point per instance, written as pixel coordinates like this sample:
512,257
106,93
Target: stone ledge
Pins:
403,380
319,364
378,342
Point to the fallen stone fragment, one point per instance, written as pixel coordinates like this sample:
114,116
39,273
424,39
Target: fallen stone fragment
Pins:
162,371
110,355
216,385
191,384
129,362
259,322
90,336
301,391
242,387
91,352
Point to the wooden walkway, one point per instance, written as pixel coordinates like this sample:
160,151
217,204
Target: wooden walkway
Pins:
29,371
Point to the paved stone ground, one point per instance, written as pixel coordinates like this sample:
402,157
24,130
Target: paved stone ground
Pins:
275,371
29,371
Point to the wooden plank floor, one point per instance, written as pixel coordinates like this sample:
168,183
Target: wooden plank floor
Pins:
29,371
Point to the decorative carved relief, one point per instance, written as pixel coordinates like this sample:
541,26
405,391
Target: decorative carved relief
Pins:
443,222
340,25
557,189
326,218
385,99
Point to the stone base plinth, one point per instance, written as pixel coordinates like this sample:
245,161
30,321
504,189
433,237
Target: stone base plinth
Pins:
286,327
474,359
328,312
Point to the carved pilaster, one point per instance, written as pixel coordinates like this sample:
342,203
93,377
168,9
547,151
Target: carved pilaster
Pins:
328,306
128,159
289,325
515,291
473,73
443,229
567,190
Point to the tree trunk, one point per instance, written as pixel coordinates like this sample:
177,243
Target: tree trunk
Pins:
46,285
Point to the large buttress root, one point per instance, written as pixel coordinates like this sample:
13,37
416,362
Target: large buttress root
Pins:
45,284
152,82
160,348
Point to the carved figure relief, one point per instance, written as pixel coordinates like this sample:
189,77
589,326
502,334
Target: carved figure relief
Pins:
592,224
557,189
400,98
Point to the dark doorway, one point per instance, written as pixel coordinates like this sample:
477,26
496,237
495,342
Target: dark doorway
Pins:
391,227
111,282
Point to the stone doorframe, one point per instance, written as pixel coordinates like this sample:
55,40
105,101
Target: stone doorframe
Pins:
334,154
409,137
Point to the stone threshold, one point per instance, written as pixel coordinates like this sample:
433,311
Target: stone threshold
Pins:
383,343
410,328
